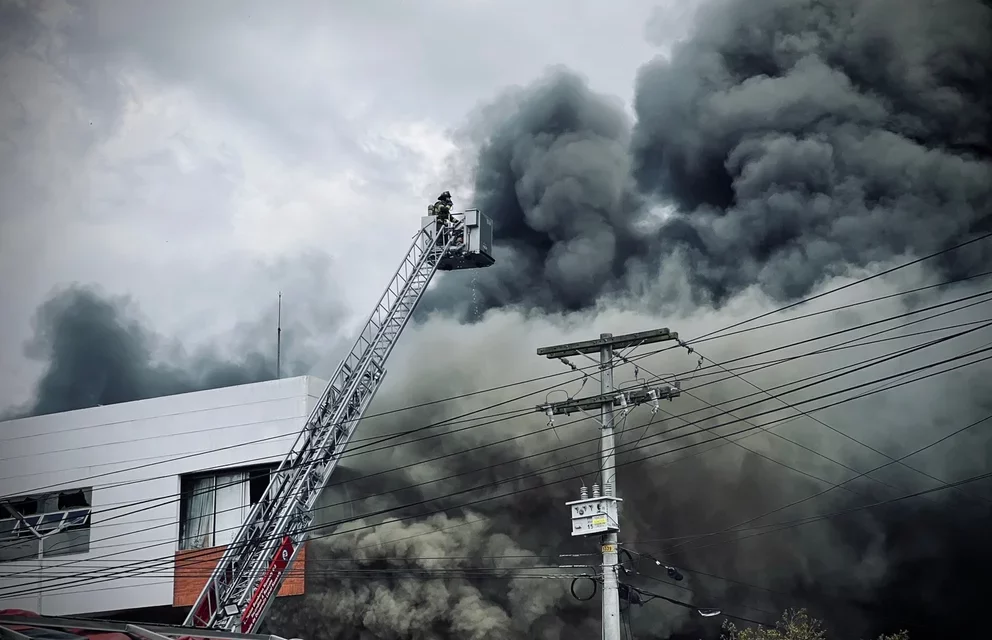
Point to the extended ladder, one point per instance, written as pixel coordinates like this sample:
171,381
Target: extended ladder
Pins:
250,572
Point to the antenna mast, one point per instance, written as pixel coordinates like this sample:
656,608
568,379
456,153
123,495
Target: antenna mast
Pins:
279,339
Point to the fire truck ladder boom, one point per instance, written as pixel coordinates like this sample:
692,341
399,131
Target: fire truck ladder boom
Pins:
252,567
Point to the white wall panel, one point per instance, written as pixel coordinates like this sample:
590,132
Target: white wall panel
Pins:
132,455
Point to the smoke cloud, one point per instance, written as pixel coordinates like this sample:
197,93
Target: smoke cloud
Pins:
399,605
800,138
782,143
98,348
97,352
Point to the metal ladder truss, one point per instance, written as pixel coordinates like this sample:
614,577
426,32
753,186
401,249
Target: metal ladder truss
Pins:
250,572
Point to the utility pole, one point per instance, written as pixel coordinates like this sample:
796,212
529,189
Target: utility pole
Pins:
599,514
279,339
611,584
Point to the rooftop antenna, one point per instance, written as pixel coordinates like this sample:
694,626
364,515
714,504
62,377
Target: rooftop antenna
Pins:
279,339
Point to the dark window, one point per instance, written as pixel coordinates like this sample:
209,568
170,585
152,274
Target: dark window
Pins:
72,500
62,519
258,482
25,506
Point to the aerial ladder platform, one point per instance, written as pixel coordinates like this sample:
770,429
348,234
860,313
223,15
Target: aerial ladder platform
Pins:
242,586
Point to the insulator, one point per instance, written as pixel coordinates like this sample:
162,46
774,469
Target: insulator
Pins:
607,488
595,491
583,492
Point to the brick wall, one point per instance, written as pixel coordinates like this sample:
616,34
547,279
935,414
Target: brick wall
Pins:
193,568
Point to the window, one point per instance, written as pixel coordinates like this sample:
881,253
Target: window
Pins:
214,505
49,524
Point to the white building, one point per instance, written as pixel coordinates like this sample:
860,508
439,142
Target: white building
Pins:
131,495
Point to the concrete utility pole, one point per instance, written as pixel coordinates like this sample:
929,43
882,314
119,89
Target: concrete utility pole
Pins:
599,514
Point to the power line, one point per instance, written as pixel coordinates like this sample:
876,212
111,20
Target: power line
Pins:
873,362
375,558
112,577
842,346
854,343
150,507
821,422
776,423
508,385
624,549
986,297
427,482
686,605
345,421
353,451
805,386
851,305
144,466
691,590
473,576
847,286
683,567
837,431
946,486
871,470
489,498
513,413
813,451
706,336
734,528
791,524
454,419
171,500
448,421
202,572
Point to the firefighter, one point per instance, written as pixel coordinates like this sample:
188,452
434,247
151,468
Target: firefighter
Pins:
442,211
442,208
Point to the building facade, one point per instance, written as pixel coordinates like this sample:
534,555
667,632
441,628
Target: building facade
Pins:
128,507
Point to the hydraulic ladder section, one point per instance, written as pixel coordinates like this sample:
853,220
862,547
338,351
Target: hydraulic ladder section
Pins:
251,570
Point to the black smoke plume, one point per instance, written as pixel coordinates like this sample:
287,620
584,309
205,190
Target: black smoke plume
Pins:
797,139
780,144
97,352
98,349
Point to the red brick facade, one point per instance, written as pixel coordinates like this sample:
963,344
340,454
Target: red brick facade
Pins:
193,567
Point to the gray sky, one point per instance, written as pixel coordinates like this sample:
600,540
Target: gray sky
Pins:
199,156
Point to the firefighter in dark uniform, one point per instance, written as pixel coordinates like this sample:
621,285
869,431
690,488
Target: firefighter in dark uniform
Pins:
442,208
442,211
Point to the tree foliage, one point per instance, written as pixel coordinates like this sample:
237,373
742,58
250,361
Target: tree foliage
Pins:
795,624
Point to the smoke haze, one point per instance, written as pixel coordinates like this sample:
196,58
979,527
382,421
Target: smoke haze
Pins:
782,148
862,573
